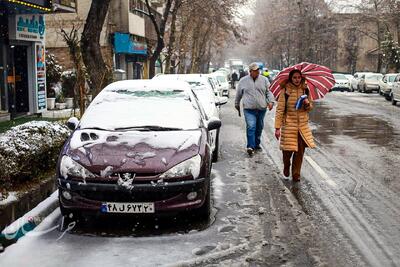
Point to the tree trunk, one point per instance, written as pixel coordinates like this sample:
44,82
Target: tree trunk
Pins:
172,38
90,44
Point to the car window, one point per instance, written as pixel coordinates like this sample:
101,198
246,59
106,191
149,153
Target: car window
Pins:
391,78
221,79
375,77
339,76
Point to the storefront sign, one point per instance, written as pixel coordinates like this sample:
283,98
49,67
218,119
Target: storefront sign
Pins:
40,77
28,27
43,5
124,44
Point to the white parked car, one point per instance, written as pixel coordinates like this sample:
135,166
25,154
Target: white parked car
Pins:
223,82
341,83
395,94
214,84
350,78
206,95
356,80
369,82
386,85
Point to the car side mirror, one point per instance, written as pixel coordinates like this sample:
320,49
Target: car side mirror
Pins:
214,124
72,123
221,101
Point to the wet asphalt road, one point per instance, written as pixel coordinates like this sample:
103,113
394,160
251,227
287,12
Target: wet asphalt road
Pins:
350,186
345,211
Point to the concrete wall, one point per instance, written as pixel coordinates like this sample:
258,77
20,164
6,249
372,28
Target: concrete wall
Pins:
136,25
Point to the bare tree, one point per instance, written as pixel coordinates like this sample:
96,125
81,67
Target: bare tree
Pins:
160,30
72,40
99,72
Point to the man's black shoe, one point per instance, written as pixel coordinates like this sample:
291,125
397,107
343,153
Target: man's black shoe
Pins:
250,151
258,149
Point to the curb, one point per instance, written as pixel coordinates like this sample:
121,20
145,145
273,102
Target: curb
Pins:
29,219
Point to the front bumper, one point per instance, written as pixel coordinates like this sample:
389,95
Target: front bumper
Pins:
166,196
340,87
371,88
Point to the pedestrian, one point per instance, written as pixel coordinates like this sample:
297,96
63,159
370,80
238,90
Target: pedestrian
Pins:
291,123
234,79
254,89
266,74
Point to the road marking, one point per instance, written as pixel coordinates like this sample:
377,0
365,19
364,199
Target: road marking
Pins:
323,174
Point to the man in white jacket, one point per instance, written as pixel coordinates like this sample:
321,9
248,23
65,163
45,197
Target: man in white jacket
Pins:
254,90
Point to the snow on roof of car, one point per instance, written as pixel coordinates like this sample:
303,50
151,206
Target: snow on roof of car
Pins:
154,84
137,103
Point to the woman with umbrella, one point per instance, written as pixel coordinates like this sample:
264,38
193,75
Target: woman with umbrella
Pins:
291,124
297,87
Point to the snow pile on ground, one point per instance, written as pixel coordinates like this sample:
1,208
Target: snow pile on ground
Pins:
28,149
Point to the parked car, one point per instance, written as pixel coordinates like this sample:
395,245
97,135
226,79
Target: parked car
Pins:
341,83
133,152
214,84
350,78
395,94
386,85
369,82
223,82
356,80
203,90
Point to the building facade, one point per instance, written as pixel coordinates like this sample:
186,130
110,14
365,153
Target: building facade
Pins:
356,49
22,56
124,37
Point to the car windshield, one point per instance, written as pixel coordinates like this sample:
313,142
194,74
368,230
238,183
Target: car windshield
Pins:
373,77
197,85
221,79
339,77
126,109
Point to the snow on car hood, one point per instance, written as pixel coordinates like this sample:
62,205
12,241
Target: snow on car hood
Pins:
134,151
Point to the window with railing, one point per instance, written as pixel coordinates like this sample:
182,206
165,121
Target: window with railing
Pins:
137,7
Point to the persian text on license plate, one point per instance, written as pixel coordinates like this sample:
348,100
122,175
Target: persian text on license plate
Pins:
115,207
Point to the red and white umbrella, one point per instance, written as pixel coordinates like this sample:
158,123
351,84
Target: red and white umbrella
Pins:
319,79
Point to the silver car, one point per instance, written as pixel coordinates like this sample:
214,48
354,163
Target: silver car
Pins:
386,85
369,82
395,94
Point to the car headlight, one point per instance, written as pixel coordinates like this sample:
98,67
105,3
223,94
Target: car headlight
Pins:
185,168
70,168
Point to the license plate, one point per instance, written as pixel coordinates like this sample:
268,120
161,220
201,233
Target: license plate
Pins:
116,207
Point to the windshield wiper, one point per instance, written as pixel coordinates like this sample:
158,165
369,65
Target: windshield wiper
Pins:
95,128
149,128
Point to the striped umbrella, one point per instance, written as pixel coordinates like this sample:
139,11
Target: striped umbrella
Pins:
319,79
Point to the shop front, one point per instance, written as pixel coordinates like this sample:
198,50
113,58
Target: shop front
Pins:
130,54
22,57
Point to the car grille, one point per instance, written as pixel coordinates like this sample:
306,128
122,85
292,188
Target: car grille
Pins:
117,196
142,178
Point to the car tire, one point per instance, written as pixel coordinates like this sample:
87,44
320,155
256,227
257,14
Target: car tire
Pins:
394,102
388,98
215,153
205,210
